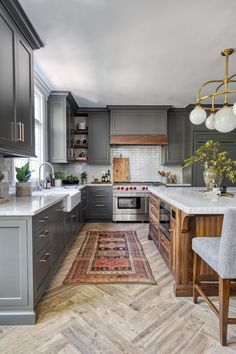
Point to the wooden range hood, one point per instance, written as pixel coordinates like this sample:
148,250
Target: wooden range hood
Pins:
138,125
139,139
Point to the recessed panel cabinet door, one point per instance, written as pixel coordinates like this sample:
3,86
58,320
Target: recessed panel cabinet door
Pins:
7,83
14,270
98,138
24,97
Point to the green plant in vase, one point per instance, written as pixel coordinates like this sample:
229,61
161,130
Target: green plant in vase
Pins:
23,186
84,177
217,163
59,176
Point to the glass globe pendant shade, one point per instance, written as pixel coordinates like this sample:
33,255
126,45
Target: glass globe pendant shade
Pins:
210,121
234,108
198,115
225,120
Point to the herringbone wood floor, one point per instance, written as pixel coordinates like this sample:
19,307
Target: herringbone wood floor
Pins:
112,319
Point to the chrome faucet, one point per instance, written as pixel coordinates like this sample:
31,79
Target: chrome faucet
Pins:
41,182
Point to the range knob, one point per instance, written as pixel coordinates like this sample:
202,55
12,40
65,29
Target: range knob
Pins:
122,188
127,188
131,188
143,188
135,188
118,188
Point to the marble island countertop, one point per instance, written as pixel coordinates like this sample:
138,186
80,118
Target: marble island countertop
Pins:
191,201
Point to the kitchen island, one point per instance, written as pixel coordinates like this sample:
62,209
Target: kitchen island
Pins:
176,216
35,233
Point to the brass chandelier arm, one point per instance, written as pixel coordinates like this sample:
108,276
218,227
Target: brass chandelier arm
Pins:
202,86
213,95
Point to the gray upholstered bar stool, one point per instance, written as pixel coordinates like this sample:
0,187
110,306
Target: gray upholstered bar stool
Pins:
220,254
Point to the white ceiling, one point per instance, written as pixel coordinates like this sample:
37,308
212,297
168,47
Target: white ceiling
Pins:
132,51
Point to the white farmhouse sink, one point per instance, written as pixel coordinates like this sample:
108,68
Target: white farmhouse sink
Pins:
73,195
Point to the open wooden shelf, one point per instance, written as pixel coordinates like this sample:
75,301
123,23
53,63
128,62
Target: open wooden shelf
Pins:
81,131
80,146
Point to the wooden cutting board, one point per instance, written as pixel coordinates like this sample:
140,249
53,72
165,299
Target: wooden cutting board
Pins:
120,169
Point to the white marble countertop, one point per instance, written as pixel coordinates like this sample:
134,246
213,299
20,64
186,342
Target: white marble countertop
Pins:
29,206
40,200
191,201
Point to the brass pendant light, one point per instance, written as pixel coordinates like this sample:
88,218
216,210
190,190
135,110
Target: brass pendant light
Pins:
222,118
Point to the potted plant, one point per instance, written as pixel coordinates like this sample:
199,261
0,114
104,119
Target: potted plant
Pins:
59,176
23,186
4,186
84,177
216,162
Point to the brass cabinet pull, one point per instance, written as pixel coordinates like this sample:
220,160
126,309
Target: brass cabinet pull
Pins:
99,205
22,132
45,258
73,216
100,195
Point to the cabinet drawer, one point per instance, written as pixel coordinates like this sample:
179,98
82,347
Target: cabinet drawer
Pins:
99,191
154,201
154,234
165,248
41,239
42,269
42,220
99,209
153,214
58,211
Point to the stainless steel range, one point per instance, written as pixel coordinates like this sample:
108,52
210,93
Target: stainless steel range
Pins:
131,201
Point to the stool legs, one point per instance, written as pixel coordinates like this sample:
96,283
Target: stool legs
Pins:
224,294
196,275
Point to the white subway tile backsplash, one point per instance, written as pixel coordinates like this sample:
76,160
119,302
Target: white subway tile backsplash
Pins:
144,162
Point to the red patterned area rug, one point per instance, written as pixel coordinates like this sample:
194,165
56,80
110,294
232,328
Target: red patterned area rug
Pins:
110,257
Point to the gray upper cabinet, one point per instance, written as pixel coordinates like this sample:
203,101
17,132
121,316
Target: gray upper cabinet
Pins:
173,153
128,120
18,39
98,137
61,108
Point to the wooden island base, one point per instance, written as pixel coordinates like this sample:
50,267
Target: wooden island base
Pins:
176,247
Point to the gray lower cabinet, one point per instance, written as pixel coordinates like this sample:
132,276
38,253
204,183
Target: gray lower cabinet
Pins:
73,223
99,203
84,203
14,265
98,138
18,39
61,108
173,153
128,120
31,250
